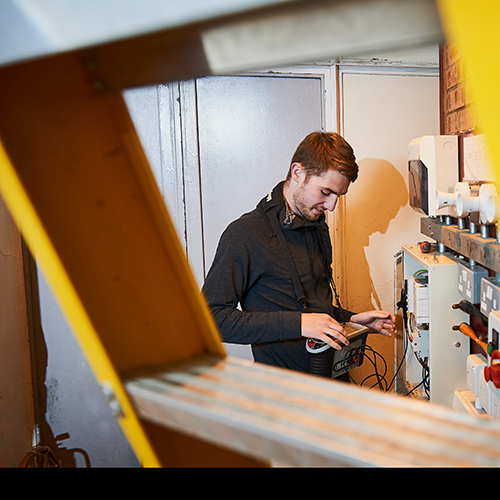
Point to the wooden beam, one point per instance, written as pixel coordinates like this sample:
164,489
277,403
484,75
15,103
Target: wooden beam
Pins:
483,250
301,420
169,55
277,34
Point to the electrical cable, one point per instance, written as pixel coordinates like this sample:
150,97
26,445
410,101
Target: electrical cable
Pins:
402,305
415,388
381,381
424,383
400,364
380,378
425,370
425,375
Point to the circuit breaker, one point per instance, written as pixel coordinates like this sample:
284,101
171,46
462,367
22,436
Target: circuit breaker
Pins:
417,303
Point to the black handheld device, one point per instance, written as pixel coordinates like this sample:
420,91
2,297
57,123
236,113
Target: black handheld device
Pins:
326,361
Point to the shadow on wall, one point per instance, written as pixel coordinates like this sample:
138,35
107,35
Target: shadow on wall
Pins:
374,200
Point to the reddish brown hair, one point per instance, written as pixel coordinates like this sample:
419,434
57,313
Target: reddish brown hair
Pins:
320,151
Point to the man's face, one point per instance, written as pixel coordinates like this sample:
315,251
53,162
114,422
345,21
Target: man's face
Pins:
317,194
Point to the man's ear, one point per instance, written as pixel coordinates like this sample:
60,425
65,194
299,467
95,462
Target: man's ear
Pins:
297,172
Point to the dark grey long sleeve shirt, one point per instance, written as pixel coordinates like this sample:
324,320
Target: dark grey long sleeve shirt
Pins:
249,286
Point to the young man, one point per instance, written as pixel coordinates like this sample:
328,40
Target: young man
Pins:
270,282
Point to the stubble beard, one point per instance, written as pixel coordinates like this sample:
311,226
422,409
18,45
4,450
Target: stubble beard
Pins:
303,210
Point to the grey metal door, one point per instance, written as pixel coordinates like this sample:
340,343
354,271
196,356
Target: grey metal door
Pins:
248,129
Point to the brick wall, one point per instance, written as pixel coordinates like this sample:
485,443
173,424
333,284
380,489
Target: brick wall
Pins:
457,110
458,114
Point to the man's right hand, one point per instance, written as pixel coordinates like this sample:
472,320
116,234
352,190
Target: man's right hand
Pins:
323,327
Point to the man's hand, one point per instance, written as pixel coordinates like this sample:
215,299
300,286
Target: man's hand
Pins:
377,321
323,327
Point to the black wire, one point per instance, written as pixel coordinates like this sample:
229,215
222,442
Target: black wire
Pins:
425,375
381,378
415,388
400,365
402,305
381,382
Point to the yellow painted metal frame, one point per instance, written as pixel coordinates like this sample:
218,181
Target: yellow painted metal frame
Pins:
33,228
76,180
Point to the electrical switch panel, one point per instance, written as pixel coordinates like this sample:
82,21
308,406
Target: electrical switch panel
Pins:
490,295
469,281
419,340
433,353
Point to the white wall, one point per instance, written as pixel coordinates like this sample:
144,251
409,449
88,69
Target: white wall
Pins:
383,111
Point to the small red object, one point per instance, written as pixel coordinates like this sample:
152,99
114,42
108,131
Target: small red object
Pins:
492,372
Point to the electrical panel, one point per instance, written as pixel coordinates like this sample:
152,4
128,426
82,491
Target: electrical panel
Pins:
469,281
417,291
451,287
434,357
418,298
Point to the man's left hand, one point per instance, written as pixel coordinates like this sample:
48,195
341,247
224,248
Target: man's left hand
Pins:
377,321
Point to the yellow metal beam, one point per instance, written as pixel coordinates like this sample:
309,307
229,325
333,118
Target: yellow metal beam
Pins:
76,180
472,28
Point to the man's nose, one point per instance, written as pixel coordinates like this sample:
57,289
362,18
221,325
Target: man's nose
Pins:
331,203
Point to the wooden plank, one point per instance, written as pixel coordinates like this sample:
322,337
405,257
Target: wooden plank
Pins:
153,58
85,177
301,420
484,251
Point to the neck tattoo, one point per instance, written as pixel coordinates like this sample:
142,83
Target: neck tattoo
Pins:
289,215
